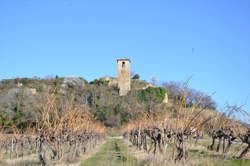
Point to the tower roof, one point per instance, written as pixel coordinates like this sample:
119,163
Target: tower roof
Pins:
124,59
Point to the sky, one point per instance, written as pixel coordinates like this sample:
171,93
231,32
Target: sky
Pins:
171,40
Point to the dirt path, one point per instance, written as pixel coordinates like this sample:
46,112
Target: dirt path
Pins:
113,153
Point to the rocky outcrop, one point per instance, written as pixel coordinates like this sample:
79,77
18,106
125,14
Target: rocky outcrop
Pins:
72,82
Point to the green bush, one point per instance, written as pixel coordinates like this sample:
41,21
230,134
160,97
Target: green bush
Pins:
100,82
18,120
155,94
112,116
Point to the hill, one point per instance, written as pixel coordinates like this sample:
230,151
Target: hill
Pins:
19,98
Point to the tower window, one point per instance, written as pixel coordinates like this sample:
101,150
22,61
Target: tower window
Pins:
123,64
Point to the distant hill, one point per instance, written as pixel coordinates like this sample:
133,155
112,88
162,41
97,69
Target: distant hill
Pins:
19,97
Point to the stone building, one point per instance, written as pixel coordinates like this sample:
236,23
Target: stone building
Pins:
123,76
111,80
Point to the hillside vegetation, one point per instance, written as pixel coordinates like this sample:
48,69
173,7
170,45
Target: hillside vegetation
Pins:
20,97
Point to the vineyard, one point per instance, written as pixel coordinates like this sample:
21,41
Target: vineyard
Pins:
66,132
179,132
63,133
189,139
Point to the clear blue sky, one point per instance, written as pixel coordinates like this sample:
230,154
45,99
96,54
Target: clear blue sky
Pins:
169,39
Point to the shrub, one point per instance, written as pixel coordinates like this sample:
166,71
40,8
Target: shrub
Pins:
100,82
112,116
136,77
152,94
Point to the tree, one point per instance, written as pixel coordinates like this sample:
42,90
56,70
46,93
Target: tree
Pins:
194,97
136,77
175,89
200,99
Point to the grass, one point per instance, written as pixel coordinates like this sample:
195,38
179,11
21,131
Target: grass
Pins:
210,159
13,156
113,153
22,163
198,155
234,147
112,132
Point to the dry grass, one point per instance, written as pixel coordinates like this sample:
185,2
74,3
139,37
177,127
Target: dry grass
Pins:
198,155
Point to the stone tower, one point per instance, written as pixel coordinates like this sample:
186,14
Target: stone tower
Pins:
123,76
